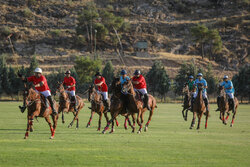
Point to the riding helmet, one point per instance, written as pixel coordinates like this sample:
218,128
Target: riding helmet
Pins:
225,77
38,70
123,72
191,77
67,72
137,72
199,74
98,74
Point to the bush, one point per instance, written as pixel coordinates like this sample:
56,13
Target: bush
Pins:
125,11
110,7
102,31
27,13
81,40
56,33
5,31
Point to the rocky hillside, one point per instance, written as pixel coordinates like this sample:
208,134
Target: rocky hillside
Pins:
47,29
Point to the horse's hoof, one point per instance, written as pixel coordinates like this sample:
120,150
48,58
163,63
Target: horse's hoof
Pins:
51,137
25,137
87,126
146,129
70,126
63,122
133,131
191,127
98,129
231,125
125,127
139,132
112,131
31,130
103,132
76,128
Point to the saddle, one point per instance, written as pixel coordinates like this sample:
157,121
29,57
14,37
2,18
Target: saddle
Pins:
139,95
44,101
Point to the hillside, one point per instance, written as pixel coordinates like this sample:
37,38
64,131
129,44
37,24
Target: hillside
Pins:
47,29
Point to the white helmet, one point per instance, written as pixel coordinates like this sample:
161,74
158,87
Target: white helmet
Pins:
38,70
225,77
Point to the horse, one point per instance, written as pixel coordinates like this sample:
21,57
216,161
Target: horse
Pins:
225,107
65,105
187,99
36,106
135,105
199,108
117,106
97,106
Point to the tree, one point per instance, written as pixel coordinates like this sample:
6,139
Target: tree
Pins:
212,82
241,82
2,66
13,81
182,77
203,36
86,68
32,67
108,72
5,81
158,80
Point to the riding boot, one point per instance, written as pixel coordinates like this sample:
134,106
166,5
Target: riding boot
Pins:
22,108
52,105
218,102
145,102
233,105
206,103
73,100
107,105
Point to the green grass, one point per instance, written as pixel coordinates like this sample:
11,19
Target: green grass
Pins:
169,142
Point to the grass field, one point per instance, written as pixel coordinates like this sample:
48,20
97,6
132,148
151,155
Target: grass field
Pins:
169,142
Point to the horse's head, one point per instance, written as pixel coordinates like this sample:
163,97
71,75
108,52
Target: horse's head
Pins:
30,94
127,87
200,86
116,84
59,87
91,91
185,89
221,90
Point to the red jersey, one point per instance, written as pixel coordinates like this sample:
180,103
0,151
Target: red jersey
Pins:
69,81
103,87
142,83
36,80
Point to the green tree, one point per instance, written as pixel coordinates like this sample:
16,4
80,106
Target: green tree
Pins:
32,67
158,80
211,80
86,68
108,72
203,36
13,81
241,82
2,66
5,83
182,77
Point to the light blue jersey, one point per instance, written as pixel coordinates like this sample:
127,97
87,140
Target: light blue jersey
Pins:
203,81
122,80
227,84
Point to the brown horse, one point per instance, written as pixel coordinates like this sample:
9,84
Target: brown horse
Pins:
97,106
65,105
225,107
187,101
117,106
135,105
35,103
199,108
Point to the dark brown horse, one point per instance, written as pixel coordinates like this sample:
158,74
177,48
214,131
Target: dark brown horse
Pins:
187,101
199,108
65,105
225,107
36,106
117,105
97,106
135,105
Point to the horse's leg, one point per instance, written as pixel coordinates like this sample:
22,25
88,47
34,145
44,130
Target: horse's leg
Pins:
29,124
207,114
112,127
183,114
186,115
100,122
199,121
223,118
221,115
55,119
138,122
151,112
133,126
113,116
116,121
125,122
50,126
232,123
74,118
63,117
90,119
142,119
193,120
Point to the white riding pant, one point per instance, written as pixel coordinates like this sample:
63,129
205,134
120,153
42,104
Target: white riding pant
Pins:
142,91
104,94
72,92
230,95
46,93
204,95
